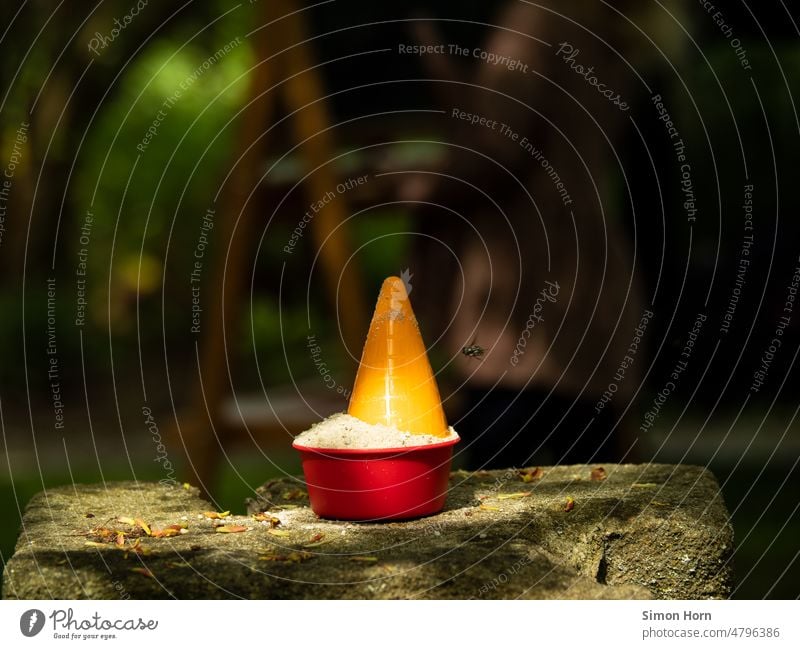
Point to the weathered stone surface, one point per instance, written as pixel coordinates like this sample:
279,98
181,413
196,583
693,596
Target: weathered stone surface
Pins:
655,531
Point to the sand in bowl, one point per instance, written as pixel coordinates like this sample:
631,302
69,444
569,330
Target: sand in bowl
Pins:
342,431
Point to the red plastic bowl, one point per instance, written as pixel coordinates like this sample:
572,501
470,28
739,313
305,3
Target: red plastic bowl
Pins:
377,484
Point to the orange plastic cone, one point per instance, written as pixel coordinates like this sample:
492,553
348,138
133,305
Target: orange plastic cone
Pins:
395,385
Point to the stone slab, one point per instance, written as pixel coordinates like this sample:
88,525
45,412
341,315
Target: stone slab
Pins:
632,532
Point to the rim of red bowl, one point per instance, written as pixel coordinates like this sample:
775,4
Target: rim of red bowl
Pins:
373,451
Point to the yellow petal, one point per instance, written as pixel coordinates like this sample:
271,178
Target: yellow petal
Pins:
231,529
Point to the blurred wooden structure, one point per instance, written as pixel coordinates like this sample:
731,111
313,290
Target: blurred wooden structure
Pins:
285,72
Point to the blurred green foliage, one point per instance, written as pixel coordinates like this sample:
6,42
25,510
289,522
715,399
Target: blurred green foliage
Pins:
149,191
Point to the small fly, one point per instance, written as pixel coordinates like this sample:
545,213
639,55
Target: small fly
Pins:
472,350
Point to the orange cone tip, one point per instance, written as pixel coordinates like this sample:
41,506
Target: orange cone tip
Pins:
395,385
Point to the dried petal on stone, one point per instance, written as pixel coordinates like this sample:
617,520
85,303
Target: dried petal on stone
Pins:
137,548
231,529
529,475
216,515
264,517
143,525
102,533
316,540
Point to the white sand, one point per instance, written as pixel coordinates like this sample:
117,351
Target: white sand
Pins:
344,431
